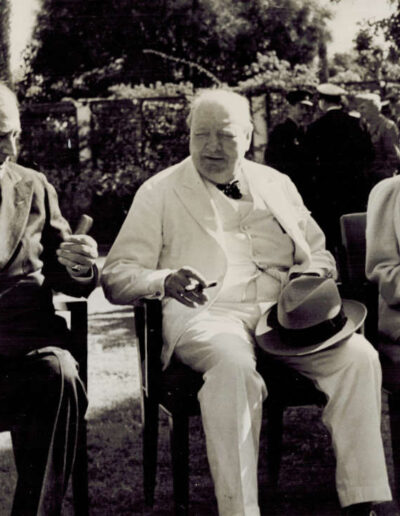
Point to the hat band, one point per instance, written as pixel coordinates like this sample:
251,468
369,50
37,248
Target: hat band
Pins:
314,334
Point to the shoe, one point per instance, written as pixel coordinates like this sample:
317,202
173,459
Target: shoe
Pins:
359,509
386,509
372,509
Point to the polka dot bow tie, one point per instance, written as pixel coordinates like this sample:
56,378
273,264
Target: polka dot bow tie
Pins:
231,189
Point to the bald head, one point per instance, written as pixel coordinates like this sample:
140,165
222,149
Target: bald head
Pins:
220,134
370,98
9,112
234,102
369,106
10,126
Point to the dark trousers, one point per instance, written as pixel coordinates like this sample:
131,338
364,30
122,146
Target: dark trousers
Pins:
42,400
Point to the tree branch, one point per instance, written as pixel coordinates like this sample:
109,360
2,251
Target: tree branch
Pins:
184,61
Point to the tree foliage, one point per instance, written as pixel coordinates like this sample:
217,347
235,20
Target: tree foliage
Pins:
81,48
278,74
97,166
5,74
379,60
391,25
370,59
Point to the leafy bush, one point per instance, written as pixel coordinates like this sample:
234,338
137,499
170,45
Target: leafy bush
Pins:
129,139
269,72
275,77
49,144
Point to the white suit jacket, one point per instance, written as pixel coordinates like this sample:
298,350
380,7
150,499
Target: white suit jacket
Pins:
383,252
172,223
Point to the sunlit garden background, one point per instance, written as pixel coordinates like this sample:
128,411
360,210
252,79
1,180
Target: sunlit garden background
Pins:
104,87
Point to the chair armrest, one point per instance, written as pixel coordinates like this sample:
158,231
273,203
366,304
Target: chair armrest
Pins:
366,293
148,322
77,307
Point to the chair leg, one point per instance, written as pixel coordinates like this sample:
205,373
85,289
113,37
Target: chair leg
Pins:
80,485
179,436
274,441
394,416
150,443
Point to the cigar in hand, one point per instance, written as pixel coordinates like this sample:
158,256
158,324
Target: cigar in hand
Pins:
199,288
84,225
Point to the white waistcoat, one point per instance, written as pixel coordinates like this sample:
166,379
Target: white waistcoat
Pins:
259,252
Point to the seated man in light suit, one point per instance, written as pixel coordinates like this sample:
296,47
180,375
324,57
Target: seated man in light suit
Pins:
217,217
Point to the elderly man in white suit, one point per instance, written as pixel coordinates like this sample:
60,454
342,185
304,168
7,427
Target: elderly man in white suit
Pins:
219,218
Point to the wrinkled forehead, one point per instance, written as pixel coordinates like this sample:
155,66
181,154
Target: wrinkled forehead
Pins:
9,113
221,113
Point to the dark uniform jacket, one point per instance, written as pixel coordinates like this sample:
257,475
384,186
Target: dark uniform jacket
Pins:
285,153
31,230
337,151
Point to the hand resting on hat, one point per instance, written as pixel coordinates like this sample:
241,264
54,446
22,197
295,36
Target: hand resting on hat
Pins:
310,316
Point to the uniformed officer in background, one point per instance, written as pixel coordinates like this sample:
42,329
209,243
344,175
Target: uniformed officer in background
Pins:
285,146
337,151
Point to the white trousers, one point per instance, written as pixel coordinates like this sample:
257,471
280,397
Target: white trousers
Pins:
221,346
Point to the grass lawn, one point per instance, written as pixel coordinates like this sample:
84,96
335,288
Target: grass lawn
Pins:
114,438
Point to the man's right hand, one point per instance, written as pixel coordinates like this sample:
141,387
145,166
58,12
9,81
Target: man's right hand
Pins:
186,286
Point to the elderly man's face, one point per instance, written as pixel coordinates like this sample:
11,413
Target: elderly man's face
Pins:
368,110
10,129
219,139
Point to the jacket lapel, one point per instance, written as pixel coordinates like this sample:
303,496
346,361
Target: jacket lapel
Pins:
16,196
194,195
276,200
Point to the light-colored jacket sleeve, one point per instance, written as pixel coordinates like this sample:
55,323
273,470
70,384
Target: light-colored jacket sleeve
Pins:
383,238
131,268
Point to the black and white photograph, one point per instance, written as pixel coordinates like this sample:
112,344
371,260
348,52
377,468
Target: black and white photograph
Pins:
199,257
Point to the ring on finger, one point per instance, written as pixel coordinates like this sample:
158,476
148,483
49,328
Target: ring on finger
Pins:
76,268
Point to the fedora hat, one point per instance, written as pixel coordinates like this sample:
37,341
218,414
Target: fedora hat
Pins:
310,316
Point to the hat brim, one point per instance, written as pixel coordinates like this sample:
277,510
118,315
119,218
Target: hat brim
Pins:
269,340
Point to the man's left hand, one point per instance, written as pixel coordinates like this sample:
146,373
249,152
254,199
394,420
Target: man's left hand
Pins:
78,254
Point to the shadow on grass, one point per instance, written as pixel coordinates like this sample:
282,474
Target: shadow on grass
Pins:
112,330
115,461
307,474
306,485
115,467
